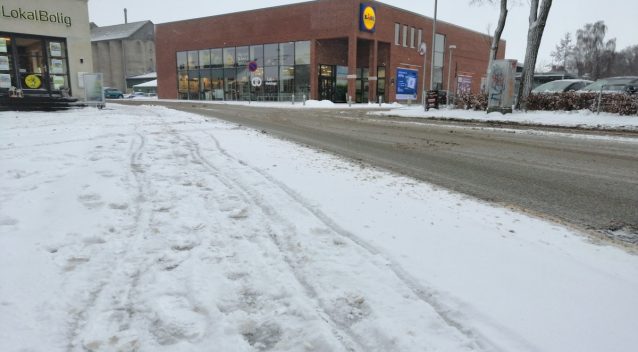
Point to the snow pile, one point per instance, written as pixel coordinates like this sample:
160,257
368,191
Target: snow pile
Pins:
143,228
317,103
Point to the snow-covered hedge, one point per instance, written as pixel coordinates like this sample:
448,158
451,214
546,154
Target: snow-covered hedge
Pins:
471,101
616,103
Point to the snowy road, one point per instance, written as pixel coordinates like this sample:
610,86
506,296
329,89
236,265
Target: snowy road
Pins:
147,229
586,179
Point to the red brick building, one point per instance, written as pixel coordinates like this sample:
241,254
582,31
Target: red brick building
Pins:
325,49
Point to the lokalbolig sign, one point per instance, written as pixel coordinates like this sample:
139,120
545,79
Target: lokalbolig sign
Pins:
36,15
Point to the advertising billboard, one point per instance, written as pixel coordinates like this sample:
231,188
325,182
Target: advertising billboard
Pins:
501,85
406,84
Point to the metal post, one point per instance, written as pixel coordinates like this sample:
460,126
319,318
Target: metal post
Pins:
423,48
433,46
449,71
600,97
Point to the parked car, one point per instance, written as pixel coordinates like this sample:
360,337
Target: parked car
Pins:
562,85
136,95
113,93
626,84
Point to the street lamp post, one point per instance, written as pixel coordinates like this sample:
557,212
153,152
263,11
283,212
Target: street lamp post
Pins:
436,2
449,71
423,48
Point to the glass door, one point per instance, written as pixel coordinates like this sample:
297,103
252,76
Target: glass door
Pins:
326,82
32,68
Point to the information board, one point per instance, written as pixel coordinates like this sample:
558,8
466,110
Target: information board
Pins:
406,84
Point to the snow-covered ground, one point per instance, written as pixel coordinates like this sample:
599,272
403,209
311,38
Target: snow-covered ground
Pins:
147,229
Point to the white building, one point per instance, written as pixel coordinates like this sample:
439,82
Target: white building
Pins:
45,47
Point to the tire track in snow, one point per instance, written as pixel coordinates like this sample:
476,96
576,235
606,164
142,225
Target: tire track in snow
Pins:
427,295
349,340
122,280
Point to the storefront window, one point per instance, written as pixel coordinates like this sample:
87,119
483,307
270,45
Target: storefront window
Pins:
271,54
243,56
205,85
204,59
57,65
341,89
381,82
439,52
181,60
7,73
286,81
257,54
271,83
302,53
193,60
222,73
229,57
182,87
287,53
216,58
217,83
243,83
193,85
230,84
302,80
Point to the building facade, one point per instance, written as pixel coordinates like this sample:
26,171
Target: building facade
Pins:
44,48
326,49
123,51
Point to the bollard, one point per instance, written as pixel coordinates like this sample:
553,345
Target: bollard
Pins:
409,102
293,99
380,101
349,100
304,100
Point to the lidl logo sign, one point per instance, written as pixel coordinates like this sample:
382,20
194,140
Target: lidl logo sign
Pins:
368,18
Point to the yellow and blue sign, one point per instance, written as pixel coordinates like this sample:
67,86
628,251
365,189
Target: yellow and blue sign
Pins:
367,18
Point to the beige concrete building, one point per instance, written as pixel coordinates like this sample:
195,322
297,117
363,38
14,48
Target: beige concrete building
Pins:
123,51
44,47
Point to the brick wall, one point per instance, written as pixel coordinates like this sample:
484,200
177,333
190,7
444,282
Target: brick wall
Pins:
318,21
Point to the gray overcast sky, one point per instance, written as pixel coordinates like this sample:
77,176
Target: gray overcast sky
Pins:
565,16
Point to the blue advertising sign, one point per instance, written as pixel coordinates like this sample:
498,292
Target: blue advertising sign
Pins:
407,84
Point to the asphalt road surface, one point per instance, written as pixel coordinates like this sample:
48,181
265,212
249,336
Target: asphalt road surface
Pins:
585,179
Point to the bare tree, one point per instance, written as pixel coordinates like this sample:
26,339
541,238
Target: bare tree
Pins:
626,62
539,11
593,55
497,32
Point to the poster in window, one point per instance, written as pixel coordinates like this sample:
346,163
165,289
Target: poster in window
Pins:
58,82
5,80
3,45
57,66
55,48
4,63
